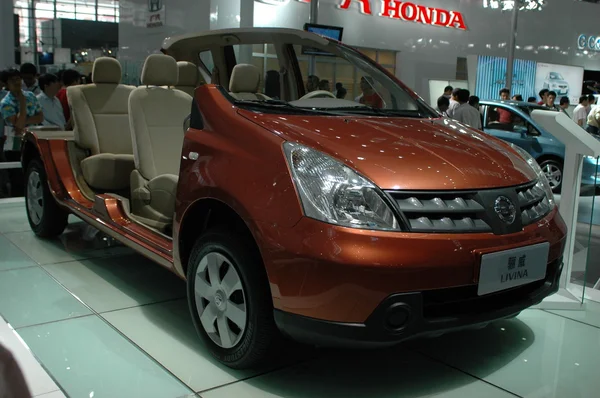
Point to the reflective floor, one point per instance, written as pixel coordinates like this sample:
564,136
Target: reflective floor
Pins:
105,322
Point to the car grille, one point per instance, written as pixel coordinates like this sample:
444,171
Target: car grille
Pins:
469,211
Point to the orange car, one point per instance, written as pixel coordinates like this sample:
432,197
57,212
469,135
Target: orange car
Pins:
334,221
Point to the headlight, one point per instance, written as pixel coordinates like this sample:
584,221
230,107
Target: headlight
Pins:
542,180
332,192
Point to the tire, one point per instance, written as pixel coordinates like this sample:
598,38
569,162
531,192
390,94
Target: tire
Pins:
46,218
554,172
245,344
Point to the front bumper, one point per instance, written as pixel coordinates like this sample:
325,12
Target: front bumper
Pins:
409,315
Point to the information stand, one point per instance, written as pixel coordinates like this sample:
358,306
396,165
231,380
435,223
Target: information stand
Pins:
579,144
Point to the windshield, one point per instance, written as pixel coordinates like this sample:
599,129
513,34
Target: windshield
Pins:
327,79
556,76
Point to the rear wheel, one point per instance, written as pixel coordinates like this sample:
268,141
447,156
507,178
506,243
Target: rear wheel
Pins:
553,170
46,218
230,299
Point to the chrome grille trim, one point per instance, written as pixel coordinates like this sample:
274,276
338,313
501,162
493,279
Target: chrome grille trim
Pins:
468,211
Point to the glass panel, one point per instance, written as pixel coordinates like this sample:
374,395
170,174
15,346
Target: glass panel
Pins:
85,9
106,18
369,53
392,71
68,8
44,14
105,11
206,60
387,58
344,74
258,48
585,275
85,17
44,7
271,49
65,15
325,72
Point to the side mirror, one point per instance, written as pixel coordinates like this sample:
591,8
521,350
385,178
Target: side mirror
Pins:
532,131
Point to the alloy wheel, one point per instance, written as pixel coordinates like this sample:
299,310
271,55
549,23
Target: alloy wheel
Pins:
35,197
220,300
553,174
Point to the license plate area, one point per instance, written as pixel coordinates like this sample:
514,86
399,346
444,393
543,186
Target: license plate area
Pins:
511,268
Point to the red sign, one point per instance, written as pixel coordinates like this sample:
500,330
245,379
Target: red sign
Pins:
411,12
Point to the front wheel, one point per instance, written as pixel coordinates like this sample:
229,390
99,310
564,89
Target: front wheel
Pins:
553,170
46,218
230,299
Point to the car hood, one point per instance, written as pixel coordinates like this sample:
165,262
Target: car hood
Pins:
406,153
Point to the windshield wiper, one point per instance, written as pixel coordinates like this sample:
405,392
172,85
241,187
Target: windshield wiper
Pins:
379,111
277,104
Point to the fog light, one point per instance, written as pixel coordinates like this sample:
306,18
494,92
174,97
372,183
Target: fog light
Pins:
397,316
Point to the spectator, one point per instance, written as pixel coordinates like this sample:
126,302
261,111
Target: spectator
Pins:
443,103
3,92
51,106
272,84
474,101
593,121
70,78
369,96
19,110
4,175
504,115
543,94
465,113
531,100
591,101
564,105
324,85
550,99
448,92
29,78
453,102
312,83
340,91
580,113
517,97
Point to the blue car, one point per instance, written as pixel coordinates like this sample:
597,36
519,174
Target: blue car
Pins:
511,121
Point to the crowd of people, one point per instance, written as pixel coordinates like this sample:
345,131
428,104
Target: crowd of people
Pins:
459,104
368,95
29,99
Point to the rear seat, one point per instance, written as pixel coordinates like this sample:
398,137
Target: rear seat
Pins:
189,77
101,127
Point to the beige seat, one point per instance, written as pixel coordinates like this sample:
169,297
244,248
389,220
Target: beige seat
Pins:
156,115
245,83
189,77
101,126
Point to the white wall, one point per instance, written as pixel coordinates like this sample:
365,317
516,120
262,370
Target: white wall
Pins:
426,52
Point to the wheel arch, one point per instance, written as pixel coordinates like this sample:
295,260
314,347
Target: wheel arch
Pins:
546,157
203,215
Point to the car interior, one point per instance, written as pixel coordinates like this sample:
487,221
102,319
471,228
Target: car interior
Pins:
127,140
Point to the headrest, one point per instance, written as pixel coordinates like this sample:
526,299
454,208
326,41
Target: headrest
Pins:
189,75
106,70
245,78
160,70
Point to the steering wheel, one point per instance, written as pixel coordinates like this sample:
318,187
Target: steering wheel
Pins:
317,94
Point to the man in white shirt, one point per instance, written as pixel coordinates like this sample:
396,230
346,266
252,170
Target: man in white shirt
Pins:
465,113
51,106
453,103
580,112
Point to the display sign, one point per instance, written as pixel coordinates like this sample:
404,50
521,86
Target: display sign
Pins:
529,78
562,79
155,16
588,42
333,32
411,12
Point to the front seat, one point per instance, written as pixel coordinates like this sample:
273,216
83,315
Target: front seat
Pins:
189,77
101,126
156,114
245,83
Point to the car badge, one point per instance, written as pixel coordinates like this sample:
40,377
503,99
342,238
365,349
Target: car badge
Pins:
505,209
